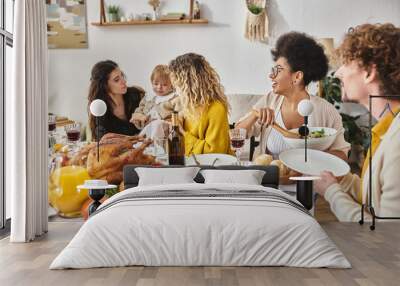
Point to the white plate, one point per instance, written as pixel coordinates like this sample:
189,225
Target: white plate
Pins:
208,159
317,161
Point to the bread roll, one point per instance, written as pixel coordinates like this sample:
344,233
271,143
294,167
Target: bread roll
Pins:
263,160
293,173
283,170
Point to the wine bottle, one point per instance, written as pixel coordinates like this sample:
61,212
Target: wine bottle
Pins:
176,143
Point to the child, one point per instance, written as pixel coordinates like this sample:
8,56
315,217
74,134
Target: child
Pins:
151,112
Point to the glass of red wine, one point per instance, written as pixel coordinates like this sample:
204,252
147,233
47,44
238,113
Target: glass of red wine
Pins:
52,123
238,136
73,132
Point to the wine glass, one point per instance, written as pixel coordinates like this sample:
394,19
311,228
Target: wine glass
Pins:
52,123
161,150
73,132
238,136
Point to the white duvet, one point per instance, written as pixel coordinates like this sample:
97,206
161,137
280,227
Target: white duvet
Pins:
192,231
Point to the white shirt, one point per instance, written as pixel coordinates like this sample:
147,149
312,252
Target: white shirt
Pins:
275,141
157,100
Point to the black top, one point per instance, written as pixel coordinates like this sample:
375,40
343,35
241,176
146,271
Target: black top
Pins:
111,123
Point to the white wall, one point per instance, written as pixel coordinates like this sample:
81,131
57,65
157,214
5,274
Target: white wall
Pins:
242,65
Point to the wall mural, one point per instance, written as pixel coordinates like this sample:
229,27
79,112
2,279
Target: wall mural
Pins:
66,24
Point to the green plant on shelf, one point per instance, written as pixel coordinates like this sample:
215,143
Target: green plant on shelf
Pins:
113,12
113,9
354,133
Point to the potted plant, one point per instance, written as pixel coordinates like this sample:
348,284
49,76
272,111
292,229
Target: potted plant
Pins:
355,134
113,13
253,8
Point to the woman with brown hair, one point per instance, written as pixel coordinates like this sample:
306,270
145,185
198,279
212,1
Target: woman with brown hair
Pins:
371,66
108,83
205,106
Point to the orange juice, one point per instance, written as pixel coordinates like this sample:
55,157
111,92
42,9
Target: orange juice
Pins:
63,194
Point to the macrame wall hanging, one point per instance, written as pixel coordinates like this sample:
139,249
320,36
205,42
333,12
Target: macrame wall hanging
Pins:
256,21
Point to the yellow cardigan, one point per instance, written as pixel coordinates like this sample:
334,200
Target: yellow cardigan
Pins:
210,133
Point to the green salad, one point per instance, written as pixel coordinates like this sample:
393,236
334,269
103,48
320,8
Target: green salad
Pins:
318,133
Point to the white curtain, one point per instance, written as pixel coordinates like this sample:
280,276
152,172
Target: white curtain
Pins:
26,118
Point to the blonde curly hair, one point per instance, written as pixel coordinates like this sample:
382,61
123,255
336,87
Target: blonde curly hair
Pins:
375,44
197,82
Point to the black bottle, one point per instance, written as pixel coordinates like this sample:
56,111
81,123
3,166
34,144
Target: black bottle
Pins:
176,143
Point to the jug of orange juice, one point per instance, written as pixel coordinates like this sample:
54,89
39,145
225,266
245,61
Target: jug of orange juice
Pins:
63,194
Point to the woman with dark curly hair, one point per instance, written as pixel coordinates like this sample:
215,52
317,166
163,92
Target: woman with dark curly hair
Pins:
108,83
299,60
371,66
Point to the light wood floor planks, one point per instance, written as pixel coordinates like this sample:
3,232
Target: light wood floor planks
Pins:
375,257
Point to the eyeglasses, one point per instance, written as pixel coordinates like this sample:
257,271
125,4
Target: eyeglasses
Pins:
275,70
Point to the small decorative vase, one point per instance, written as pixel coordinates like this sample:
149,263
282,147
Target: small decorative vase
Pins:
156,14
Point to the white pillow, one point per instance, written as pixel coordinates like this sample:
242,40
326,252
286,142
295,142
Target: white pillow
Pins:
248,177
166,176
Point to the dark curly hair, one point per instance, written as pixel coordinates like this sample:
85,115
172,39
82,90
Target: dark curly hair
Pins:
302,54
378,45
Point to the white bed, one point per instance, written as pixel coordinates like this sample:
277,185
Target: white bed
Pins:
237,229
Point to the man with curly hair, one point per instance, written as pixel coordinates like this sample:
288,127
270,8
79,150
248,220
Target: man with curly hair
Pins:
371,66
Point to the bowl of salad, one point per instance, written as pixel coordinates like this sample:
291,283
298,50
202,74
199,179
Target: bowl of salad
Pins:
320,138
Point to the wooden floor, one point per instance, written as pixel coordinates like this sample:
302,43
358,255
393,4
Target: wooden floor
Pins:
375,257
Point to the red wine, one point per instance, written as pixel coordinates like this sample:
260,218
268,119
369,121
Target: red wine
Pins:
52,126
176,144
73,135
237,143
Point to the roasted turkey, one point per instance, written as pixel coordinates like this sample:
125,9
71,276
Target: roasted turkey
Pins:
115,152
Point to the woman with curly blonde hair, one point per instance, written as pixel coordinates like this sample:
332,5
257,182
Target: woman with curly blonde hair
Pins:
205,106
371,66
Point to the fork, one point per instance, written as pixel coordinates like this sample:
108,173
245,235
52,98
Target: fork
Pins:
195,160
213,163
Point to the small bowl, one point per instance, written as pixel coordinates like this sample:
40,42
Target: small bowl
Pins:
321,144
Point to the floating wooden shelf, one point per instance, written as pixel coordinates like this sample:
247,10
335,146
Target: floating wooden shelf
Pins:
154,22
